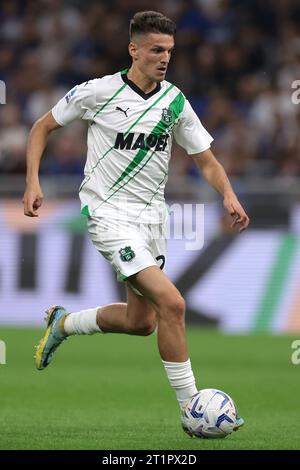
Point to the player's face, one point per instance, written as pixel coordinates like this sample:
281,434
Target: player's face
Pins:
151,53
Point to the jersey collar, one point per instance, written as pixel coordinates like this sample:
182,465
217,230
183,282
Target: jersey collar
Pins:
137,90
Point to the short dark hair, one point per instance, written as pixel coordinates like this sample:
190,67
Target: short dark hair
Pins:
151,22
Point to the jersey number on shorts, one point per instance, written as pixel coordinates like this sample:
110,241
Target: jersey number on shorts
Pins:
163,260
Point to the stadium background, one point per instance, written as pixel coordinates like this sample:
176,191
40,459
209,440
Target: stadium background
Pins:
236,62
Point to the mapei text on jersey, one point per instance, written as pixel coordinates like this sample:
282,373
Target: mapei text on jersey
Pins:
133,141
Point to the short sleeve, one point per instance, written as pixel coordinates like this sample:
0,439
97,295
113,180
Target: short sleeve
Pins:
78,103
190,133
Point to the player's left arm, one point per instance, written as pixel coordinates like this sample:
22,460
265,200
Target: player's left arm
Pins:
216,176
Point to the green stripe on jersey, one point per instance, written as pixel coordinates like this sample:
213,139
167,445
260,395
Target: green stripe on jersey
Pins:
85,211
126,182
148,109
176,106
153,195
88,177
109,100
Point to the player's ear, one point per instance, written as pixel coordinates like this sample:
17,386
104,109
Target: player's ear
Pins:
132,49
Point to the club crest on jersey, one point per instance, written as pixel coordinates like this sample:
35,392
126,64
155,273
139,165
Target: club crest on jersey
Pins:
167,115
127,253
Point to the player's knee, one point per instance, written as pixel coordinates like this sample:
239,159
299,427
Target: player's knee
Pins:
147,329
174,307
143,328
177,307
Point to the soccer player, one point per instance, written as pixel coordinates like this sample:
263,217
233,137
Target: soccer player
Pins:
132,118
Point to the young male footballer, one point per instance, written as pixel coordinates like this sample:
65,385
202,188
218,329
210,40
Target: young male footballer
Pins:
132,117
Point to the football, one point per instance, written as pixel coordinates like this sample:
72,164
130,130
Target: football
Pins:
210,413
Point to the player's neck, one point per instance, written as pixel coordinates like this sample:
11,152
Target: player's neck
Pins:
140,80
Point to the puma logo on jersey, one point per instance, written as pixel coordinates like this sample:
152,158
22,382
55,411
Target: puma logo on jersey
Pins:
134,141
122,110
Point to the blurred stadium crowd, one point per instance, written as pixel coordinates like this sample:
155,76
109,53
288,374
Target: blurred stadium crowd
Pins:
235,61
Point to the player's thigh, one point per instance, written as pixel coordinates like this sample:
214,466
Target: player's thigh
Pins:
155,286
139,308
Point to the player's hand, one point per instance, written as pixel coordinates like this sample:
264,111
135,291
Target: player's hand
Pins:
236,211
33,199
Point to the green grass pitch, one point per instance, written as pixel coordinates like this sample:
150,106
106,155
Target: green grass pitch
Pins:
111,392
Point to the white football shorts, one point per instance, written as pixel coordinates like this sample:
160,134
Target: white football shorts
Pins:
129,246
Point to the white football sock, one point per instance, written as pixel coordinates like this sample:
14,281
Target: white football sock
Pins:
82,323
181,379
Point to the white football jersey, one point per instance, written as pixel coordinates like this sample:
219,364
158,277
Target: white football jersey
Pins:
130,137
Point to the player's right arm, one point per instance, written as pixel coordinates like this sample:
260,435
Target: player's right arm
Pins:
78,103
33,196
